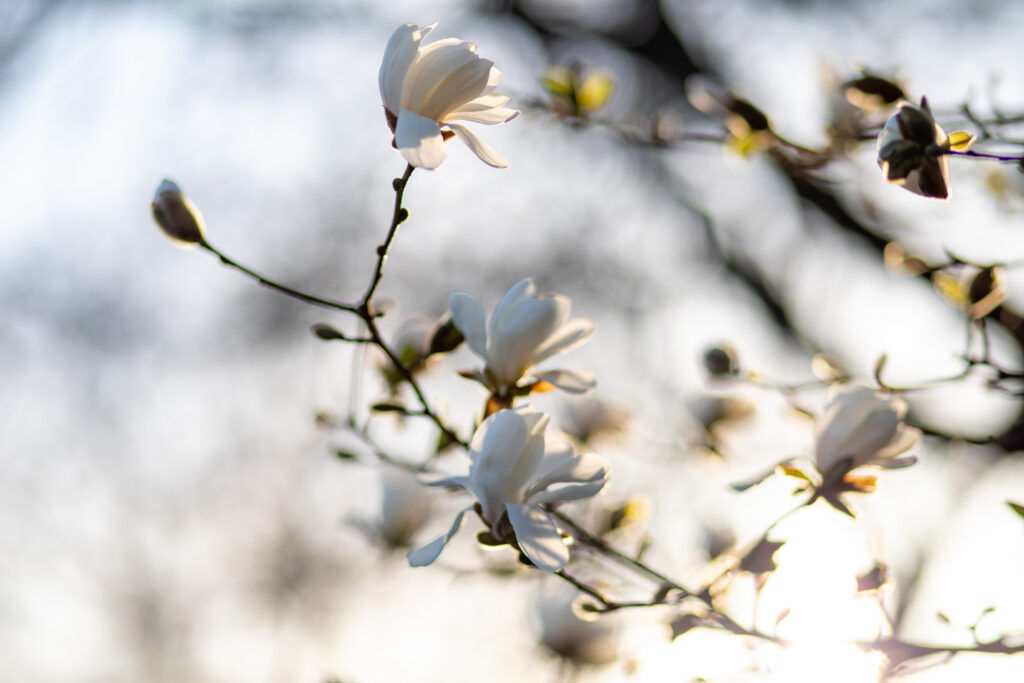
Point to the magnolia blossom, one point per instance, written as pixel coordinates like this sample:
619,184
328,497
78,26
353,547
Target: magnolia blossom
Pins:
512,473
911,151
861,428
425,87
525,329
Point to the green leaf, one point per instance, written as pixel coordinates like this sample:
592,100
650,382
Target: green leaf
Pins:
327,333
1016,507
345,455
386,407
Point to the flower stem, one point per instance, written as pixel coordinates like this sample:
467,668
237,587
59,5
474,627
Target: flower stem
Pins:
397,218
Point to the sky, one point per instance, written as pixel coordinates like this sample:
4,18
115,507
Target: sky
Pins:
173,512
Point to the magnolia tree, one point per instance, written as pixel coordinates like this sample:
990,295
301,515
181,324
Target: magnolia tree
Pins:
525,490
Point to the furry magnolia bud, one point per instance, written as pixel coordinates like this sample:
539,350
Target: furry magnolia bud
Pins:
177,216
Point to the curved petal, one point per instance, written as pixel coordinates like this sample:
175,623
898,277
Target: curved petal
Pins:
586,472
495,450
488,109
471,319
398,57
895,463
520,291
419,140
871,435
432,64
538,536
532,455
570,381
480,148
421,557
457,88
521,331
568,336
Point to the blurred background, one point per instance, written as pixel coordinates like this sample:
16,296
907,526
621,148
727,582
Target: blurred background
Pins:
171,507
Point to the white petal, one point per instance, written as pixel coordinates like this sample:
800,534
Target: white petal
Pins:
532,455
419,140
520,291
495,450
456,89
896,463
486,109
583,476
421,557
525,327
432,64
538,536
570,381
460,481
568,336
398,56
469,316
478,146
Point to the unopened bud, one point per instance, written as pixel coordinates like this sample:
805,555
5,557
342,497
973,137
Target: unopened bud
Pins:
177,216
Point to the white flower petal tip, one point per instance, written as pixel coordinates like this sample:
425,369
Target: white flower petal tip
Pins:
860,428
525,329
433,86
913,152
425,555
512,474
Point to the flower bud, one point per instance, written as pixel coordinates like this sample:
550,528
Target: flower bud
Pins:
177,216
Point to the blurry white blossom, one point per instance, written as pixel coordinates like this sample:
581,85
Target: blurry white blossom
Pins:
427,87
525,329
567,634
861,428
405,508
512,474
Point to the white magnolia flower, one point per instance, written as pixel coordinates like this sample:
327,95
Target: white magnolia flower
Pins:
861,428
405,508
425,87
567,634
512,473
910,151
525,329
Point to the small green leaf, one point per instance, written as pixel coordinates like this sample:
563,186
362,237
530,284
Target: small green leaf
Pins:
345,455
1016,507
386,407
327,333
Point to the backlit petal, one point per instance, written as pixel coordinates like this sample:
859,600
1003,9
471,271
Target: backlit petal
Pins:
398,56
421,557
571,381
471,319
433,63
419,140
568,336
495,450
480,148
538,537
457,88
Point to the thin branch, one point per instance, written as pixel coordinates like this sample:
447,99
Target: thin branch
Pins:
284,289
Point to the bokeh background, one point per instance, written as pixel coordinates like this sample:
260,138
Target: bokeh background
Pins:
172,511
